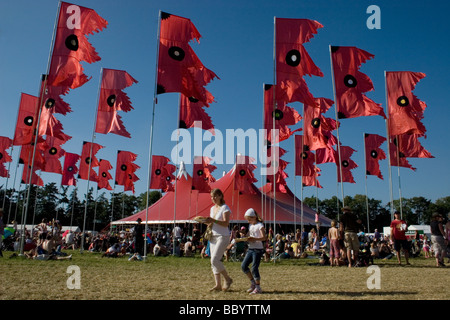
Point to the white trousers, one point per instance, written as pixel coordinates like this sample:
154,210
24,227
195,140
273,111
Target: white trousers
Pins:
217,247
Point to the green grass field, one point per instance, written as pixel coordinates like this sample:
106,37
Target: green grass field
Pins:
183,278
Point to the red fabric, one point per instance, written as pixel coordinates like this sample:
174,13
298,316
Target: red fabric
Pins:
398,159
284,116
103,175
374,154
304,159
86,158
125,169
26,156
179,68
317,128
72,47
162,174
243,175
26,120
3,171
280,177
53,151
410,146
404,108
70,169
192,110
292,59
202,174
311,181
35,179
5,144
347,165
351,84
113,99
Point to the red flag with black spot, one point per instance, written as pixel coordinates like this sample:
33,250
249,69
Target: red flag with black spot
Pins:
243,175
192,112
351,84
26,120
70,169
162,174
202,174
88,153
103,175
374,154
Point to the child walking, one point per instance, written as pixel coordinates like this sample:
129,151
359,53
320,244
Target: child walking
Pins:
255,237
333,235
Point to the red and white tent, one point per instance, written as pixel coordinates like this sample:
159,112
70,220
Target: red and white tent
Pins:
190,203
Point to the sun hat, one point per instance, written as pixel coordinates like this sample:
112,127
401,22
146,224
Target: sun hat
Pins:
250,213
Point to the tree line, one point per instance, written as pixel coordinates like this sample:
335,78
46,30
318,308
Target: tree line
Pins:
67,205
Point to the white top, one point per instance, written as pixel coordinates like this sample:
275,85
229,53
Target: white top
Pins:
220,215
254,230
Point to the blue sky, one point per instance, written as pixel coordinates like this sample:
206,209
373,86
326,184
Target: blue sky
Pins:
237,44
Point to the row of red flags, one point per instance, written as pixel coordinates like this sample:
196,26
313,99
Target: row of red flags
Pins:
180,70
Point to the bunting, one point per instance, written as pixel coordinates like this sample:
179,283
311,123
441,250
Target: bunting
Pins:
70,169
292,60
374,154
113,99
71,45
405,110
351,84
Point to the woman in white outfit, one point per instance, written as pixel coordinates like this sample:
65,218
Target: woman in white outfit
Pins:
219,219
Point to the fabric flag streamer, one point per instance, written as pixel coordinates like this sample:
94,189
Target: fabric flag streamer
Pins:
162,174
351,84
397,158
192,112
202,174
52,152
243,175
70,169
284,116
5,144
304,159
113,99
86,159
292,60
280,176
35,179
374,154
26,120
125,170
71,45
103,175
179,68
405,110
347,165
317,128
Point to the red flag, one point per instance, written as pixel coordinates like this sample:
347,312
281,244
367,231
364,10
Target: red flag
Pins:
35,179
129,184
410,147
113,99
404,108
202,174
70,169
347,165
3,171
179,68
398,159
292,59
125,167
284,116
243,175
26,156
351,84
5,144
311,181
280,177
86,158
103,175
304,159
374,154
162,174
72,47
317,128
53,151
192,110
26,120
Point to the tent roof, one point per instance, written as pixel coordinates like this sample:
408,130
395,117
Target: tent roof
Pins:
190,203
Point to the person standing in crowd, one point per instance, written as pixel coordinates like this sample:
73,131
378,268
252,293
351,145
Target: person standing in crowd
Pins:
2,231
349,225
438,238
447,231
333,235
398,237
256,235
138,234
219,221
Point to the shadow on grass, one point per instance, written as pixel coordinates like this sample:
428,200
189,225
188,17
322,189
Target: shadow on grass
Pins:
341,293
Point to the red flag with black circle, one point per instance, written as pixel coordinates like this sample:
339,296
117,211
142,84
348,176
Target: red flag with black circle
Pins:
88,157
162,174
202,174
125,166
52,152
192,112
70,169
243,175
374,154
26,120
103,175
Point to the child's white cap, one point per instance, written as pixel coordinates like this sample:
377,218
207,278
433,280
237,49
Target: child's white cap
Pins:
250,213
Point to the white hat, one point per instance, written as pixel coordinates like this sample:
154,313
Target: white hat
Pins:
250,213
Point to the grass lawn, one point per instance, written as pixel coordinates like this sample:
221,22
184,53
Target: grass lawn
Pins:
175,278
